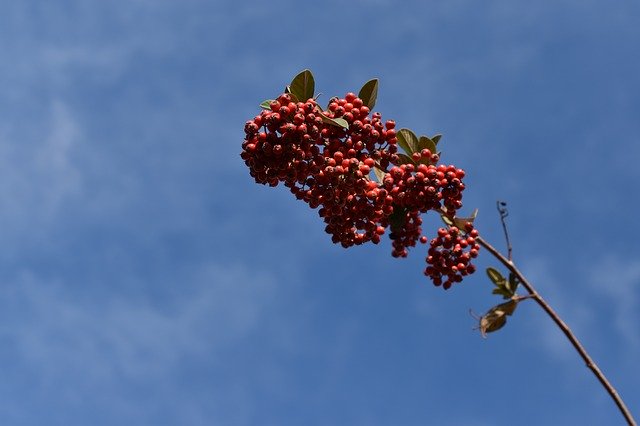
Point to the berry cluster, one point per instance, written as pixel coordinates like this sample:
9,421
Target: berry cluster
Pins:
450,254
327,158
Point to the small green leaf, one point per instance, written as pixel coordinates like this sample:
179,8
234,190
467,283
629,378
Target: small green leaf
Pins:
369,93
379,173
502,291
339,122
408,141
513,282
303,85
266,104
397,218
496,277
405,159
446,220
462,221
425,142
436,138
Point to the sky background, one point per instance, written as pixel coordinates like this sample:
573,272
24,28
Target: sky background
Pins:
145,279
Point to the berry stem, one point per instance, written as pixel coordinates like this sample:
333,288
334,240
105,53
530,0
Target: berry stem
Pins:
565,329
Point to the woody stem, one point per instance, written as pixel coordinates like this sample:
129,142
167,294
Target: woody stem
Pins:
565,329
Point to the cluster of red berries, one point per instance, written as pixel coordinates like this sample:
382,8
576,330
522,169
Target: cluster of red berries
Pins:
450,254
326,158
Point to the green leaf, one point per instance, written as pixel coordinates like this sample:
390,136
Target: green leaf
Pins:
294,98
507,307
436,138
369,93
513,282
408,141
397,218
266,104
339,122
303,85
502,292
496,277
379,173
425,142
405,159
496,318
492,322
462,221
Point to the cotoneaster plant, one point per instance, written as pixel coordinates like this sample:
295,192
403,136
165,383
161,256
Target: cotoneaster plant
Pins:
366,178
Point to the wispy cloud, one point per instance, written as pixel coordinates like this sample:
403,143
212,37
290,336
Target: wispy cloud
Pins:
77,345
619,283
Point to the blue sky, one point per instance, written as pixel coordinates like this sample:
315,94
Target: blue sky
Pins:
146,280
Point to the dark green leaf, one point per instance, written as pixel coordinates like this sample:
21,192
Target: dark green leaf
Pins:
408,141
501,291
397,218
496,318
266,104
508,307
436,138
369,93
425,142
513,283
491,322
303,85
405,159
340,122
496,277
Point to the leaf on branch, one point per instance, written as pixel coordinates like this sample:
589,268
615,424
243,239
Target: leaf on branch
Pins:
460,222
426,142
496,317
505,288
513,282
303,85
496,277
266,104
369,93
436,138
408,141
339,122
405,159
397,218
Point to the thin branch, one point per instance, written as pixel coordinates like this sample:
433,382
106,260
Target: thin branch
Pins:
502,209
508,263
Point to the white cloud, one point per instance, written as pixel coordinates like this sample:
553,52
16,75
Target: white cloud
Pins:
37,174
576,313
61,334
619,283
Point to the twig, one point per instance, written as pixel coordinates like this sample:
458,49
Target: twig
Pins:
508,263
502,209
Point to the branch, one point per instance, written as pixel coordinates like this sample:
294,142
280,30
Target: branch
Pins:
508,263
502,209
